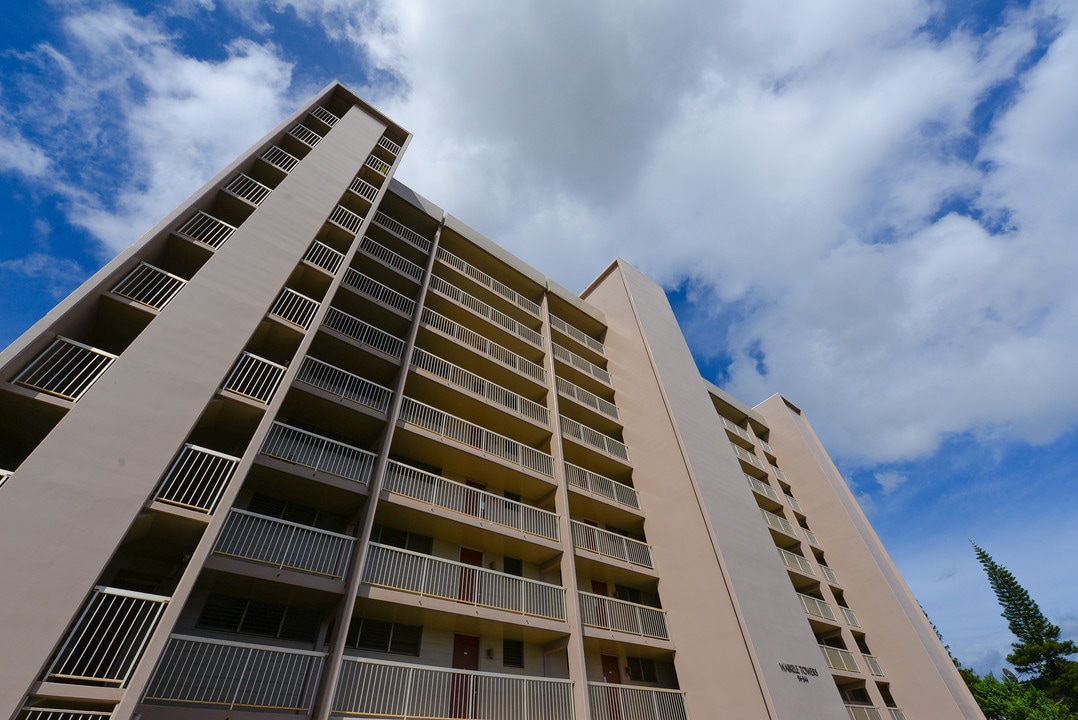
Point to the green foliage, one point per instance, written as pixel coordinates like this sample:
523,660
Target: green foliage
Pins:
1008,700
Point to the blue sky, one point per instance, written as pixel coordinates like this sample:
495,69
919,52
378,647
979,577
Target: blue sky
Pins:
868,207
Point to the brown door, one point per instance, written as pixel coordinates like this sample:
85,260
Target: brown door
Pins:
473,501
462,690
600,589
466,592
612,675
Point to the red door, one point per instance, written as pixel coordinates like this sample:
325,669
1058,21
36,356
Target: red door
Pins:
600,589
466,591
462,690
612,675
473,501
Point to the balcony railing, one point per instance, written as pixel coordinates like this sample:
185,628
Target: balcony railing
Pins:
763,488
609,701
796,562
450,426
279,158
816,607
778,473
249,189
364,189
402,231
344,384
377,291
586,366
896,714
873,664
779,523
613,614
38,713
346,219
792,501
604,542
324,257
150,286
373,688
594,438
398,262
587,399
108,638
851,618
305,135
318,453
829,574
736,429
766,446
580,336
747,456
437,490
377,164
480,277
472,383
593,482
863,712
363,332
491,349
255,377
295,308
811,537
434,577
206,229
387,144
66,369
480,308
201,671
284,544
324,115
839,659
4,475
197,478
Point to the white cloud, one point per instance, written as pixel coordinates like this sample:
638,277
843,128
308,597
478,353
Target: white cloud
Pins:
890,481
60,274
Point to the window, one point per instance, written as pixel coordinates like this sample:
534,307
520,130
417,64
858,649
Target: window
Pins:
253,617
384,636
513,653
513,566
641,669
402,539
630,594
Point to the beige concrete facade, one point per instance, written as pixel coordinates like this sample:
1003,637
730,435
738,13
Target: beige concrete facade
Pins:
314,446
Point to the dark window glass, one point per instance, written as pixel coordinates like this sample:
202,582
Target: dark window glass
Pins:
262,618
641,669
375,635
513,653
513,566
300,624
406,639
630,594
222,612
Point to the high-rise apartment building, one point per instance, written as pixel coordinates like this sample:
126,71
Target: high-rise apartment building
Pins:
314,447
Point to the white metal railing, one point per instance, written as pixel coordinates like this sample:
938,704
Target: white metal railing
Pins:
873,664
295,308
197,478
816,607
829,574
793,503
284,544
735,429
279,158
851,618
896,714
39,713
586,366
388,257
434,577
628,617
305,135
470,382
586,398
324,115
779,473
375,688
839,659
324,257
485,311
108,637
579,335
402,231
363,332
761,487
611,701
437,490
344,384
450,426
796,562
65,368
594,438
255,377
600,485
863,712
482,278
364,189
811,537
389,145
747,456
491,349
766,446
604,542
377,164
779,523
4,475
235,675
206,229
285,442
347,219
249,189
149,286
375,290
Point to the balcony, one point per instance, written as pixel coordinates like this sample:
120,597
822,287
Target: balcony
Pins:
593,438
149,286
766,446
829,574
839,659
587,399
232,675
896,714
378,292
488,313
779,523
283,544
796,562
763,488
816,607
796,506
747,456
65,369
736,429
294,308
362,332
364,189
305,135
402,231
811,537
873,665
486,347
458,497
323,256
467,584
373,688
255,377
391,259
585,366
449,426
863,712
378,165
280,159
387,144
107,640
40,713
604,542
318,453
778,473
851,619
592,482
206,229
344,384
581,337
248,189
481,278
324,115
346,219
627,617
626,702
197,478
